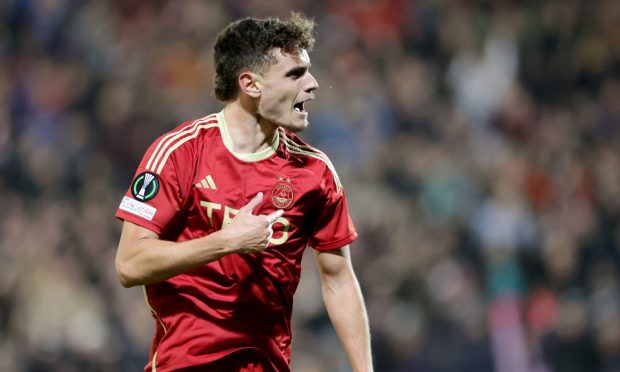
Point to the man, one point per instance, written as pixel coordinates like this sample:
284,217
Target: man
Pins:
222,208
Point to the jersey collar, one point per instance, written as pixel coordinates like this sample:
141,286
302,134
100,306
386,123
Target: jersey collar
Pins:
247,157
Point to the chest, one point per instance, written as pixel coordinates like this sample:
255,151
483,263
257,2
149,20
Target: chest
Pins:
222,185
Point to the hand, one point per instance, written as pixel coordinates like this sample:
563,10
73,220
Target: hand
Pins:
250,233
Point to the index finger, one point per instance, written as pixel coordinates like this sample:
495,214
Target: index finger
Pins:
271,218
248,208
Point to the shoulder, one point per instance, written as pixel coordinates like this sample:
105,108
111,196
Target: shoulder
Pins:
313,159
181,141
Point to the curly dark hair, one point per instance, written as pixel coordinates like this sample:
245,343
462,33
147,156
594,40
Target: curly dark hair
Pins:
248,44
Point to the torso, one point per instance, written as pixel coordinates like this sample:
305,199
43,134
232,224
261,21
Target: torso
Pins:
239,301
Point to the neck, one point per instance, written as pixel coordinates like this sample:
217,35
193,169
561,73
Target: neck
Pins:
248,132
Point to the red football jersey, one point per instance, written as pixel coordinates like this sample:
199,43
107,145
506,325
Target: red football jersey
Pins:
189,184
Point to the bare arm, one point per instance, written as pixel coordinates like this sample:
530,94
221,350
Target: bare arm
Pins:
143,258
345,305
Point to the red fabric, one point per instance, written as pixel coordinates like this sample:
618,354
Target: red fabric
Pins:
246,360
239,301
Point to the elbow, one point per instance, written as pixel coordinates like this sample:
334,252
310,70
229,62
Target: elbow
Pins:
126,282
126,276
334,283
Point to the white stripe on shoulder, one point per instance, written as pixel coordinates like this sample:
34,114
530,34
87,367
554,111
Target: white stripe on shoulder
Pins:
296,148
194,134
171,137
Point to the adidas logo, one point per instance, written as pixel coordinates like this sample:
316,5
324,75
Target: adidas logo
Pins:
207,183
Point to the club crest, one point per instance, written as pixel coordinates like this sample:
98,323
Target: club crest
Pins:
145,186
282,195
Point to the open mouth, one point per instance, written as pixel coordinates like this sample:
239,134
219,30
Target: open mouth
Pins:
299,107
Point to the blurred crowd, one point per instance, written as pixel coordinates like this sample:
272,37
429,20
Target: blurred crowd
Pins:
477,142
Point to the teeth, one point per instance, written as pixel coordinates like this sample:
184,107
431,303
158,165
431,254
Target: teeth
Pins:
299,107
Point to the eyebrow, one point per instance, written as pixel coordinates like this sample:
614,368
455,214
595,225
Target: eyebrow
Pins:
297,71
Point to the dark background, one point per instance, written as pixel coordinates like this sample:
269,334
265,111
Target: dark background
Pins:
478,142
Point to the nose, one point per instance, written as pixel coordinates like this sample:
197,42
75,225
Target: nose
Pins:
311,83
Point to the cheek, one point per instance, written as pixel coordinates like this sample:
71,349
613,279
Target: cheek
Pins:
274,104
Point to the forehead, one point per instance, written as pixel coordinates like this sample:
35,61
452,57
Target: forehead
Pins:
286,61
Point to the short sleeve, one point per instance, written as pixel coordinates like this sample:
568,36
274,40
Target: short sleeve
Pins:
156,194
333,228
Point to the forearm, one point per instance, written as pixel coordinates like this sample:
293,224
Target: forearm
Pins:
345,306
153,260
143,258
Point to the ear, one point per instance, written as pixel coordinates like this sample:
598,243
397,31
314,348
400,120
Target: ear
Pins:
248,83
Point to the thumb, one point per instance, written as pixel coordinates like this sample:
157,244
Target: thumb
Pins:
271,218
248,208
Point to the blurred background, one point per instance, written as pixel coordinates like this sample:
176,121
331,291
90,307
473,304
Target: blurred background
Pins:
478,142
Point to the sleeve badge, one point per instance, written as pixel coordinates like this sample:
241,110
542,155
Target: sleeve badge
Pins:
145,186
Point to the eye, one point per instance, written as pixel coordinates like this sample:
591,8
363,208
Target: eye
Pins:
296,73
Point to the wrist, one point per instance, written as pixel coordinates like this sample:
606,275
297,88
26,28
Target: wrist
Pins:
224,243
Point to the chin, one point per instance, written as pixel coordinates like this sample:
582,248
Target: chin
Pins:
295,127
